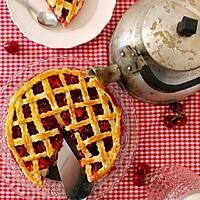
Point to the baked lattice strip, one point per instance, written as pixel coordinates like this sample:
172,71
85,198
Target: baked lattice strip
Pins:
90,117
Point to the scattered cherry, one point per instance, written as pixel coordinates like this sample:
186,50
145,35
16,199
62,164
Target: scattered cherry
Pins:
140,176
138,179
169,121
143,168
176,107
179,119
11,46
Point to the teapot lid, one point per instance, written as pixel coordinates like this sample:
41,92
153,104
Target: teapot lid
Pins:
171,33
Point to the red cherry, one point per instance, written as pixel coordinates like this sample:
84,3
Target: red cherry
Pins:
39,147
29,165
11,46
21,150
176,107
138,179
143,168
104,126
56,141
170,121
181,120
66,117
44,162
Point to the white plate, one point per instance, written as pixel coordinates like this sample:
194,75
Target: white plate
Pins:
89,22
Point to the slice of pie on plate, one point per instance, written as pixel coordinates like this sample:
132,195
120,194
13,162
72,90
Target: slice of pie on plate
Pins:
63,101
65,10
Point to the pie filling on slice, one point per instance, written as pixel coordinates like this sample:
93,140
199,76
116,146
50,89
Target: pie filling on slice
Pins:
63,101
65,10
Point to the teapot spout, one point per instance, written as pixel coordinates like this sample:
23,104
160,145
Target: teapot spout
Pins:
106,75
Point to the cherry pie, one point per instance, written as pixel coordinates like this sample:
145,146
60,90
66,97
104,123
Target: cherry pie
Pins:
65,10
63,101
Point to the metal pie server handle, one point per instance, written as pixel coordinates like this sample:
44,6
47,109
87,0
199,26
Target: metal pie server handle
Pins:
72,175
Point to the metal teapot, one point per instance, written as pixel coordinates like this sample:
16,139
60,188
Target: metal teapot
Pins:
155,51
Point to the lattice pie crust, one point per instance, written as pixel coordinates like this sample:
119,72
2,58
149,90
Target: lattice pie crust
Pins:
63,99
65,10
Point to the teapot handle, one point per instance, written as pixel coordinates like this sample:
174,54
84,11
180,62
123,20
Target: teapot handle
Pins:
155,83
150,78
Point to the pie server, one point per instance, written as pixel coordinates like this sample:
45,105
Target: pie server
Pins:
69,171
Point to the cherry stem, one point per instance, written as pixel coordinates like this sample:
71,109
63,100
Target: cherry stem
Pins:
180,114
147,179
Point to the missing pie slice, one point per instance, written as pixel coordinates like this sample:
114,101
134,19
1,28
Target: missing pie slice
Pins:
65,10
57,101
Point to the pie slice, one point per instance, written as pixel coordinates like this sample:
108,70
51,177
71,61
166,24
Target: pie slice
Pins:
65,10
63,101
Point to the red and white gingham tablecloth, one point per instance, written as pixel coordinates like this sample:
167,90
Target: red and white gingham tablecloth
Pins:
158,146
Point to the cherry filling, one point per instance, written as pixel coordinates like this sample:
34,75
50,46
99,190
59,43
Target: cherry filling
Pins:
98,110
93,149
87,80
55,81
72,136
56,141
50,123
38,88
32,128
76,96
81,155
63,16
65,115
104,126
23,96
39,147
81,114
110,106
108,143
43,105
71,79
45,162
96,166
16,132
29,165
93,93
21,150
86,131
27,111
15,116
61,99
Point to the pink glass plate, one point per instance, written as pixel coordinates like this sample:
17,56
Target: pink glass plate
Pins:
12,174
172,183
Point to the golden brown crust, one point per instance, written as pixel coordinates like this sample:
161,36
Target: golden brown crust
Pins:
72,8
106,158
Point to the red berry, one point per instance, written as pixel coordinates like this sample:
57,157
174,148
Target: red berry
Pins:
181,120
143,169
44,162
21,150
170,121
104,126
11,46
176,107
138,179
29,165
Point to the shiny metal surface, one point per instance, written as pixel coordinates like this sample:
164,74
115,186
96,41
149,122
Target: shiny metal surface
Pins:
73,177
134,31
47,19
160,37
44,18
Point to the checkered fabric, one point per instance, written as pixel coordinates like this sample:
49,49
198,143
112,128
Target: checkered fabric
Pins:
158,146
